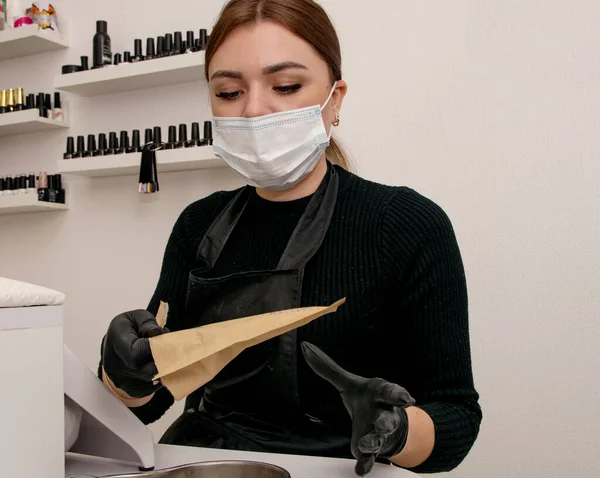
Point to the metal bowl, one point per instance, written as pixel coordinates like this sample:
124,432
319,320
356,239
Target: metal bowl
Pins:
216,469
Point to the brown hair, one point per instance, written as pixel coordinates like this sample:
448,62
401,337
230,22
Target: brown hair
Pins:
305,18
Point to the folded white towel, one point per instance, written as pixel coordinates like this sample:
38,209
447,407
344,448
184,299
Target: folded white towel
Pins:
21,294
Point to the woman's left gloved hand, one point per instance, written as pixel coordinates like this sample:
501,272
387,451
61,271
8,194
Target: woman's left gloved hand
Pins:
377,409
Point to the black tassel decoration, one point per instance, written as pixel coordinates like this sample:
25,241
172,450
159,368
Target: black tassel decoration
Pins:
148,180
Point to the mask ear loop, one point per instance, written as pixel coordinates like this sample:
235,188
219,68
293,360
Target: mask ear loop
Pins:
325,104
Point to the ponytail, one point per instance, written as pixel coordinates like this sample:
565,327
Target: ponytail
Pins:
336,154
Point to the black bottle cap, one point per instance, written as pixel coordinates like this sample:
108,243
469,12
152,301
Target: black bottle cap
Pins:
135,138
84,63
71,69
137,47
102,142
195,131
80,144
150,47
202,38
31,181
124,140
183,132
47,101
56,99
58,181
51,181
160,46
113,141
70,145
177,42
189,39
156,135
126,57
207,130
91,143
117,60
183,46
172,134
168,46
101,26
147,136
30,101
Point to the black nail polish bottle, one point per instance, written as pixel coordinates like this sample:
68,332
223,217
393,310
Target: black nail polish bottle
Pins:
135,142
117,60
92,149
30,101
126,57
189,41
157,136
123,142
150,53
177,46
208,139
182,136
195,140
56,193
172,138
70,148
102,146
31,183
48,105
113,143
84,63
148,136
168,46
160,47
80,147
137,48
202,39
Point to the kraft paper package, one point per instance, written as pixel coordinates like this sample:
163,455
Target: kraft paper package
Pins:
188,359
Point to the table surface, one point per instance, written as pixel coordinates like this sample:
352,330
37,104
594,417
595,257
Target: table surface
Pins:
168,456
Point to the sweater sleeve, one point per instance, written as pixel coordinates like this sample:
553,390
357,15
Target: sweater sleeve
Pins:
433,323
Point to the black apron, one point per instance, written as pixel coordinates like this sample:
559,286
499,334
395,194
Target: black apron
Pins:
253,403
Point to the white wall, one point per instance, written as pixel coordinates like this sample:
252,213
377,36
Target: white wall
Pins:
489,108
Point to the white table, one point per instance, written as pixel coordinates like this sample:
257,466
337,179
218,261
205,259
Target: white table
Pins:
168,456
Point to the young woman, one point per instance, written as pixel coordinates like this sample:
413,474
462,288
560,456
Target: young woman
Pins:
304,232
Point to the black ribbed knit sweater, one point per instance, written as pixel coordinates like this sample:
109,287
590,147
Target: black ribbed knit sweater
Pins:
393,254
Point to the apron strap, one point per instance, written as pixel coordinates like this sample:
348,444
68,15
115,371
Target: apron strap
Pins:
312,226
218,233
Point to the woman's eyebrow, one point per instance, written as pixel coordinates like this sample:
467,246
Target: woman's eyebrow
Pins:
236,75
267,70
284,65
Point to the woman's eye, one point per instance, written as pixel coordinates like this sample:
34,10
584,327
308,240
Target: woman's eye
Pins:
287,89
228,95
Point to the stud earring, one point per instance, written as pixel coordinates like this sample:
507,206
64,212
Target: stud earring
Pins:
336,121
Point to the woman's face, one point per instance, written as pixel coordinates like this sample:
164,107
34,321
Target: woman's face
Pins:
264,68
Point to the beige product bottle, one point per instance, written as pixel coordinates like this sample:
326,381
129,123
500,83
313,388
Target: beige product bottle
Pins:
10,100
3,101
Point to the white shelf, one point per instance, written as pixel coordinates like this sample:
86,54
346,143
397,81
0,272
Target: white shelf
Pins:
27,121
28,40
134,76
27,203
186,159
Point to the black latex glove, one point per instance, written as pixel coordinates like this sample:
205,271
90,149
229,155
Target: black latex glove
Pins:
126,356
377,409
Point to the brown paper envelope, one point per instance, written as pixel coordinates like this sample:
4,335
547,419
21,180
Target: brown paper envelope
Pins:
188,359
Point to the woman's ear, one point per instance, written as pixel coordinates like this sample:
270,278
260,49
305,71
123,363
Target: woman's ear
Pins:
341,88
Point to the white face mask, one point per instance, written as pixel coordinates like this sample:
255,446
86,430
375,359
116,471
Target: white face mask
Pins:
274,151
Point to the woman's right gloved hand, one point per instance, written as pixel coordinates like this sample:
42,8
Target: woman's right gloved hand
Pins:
126,355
